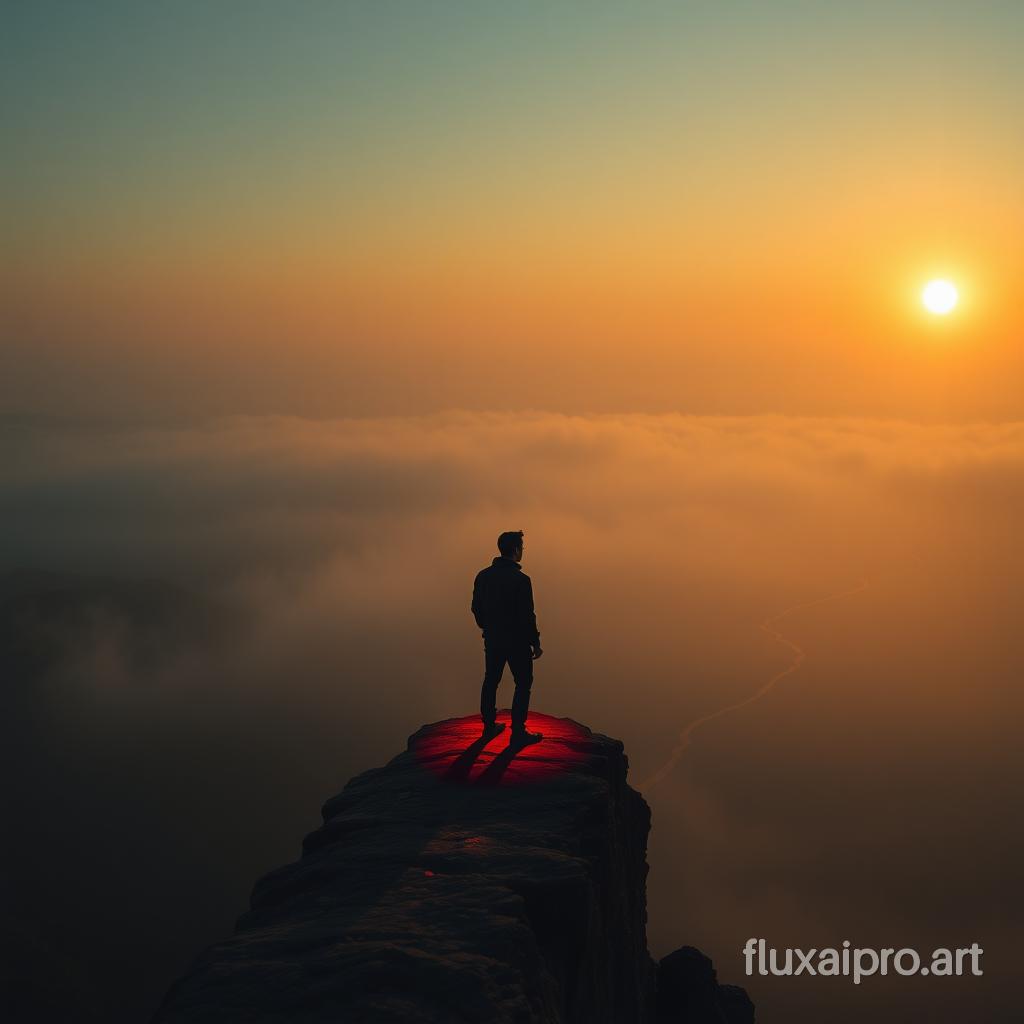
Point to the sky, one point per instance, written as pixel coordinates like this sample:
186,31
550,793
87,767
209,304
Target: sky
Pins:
723,208
302,305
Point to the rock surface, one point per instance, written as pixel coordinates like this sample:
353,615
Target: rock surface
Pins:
462,882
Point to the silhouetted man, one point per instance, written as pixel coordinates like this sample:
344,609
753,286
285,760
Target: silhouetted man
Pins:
503,609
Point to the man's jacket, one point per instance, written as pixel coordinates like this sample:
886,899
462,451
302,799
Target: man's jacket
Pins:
503,603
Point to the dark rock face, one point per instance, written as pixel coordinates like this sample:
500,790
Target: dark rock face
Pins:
688,990
461,882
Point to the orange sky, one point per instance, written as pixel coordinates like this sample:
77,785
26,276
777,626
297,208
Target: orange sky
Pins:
682,209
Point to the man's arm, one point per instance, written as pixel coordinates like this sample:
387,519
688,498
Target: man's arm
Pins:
477,607
529,616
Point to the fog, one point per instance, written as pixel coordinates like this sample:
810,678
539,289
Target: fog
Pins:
243,613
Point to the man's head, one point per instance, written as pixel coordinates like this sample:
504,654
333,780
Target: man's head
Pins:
510,544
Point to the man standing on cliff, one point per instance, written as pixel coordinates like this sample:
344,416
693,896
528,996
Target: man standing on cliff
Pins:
503,609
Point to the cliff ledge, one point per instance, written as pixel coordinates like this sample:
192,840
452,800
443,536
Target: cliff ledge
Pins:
463,882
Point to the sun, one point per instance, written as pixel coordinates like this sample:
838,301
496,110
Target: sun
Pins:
940,297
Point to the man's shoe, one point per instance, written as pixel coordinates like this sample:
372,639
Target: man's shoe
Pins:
522,738
491,729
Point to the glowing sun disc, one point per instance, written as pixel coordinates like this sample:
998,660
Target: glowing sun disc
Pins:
939,296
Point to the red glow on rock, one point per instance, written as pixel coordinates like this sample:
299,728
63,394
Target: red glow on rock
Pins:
455,750
429,873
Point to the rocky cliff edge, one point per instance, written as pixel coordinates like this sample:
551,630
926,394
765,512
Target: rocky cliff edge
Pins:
463,882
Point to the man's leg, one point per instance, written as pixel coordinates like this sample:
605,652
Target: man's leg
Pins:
520,661
494,666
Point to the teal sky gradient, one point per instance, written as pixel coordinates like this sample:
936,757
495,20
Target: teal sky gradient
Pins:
110,108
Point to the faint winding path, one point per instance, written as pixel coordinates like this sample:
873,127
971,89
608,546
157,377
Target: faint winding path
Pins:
767,625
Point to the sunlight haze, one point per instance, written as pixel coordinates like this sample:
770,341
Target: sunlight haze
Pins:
303,304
